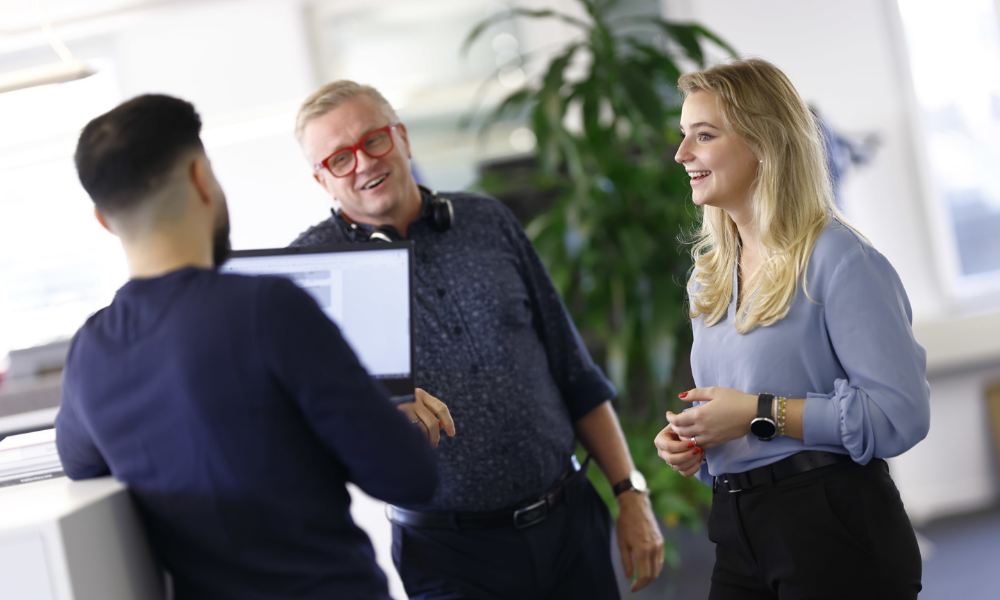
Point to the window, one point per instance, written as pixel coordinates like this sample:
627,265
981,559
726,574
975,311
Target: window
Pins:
954,54
57,265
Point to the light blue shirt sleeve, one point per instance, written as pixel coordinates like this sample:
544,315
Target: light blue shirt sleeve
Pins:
704,476
882,408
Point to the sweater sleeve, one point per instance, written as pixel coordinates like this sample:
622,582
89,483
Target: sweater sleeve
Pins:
882,408
80,457
384,454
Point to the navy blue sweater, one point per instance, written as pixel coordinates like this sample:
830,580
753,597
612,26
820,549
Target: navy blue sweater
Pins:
235,412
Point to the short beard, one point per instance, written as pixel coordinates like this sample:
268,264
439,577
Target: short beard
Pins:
221,245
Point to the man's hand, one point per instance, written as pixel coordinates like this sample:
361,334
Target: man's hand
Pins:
639,539
431,414
639,536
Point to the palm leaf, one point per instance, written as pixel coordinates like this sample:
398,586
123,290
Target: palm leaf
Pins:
718,41
512,103
642,95
657,60
686,37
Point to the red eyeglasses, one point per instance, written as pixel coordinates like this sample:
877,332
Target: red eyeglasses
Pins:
343,162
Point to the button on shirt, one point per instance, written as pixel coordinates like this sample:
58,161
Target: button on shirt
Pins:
495,343
847,348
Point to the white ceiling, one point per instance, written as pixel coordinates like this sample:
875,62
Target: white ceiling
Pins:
18,17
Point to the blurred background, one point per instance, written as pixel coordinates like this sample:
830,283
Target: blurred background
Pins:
908,92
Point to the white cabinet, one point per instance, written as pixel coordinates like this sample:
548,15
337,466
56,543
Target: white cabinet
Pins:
74,540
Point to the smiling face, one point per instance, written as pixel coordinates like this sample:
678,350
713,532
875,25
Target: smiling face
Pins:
721,166
381,190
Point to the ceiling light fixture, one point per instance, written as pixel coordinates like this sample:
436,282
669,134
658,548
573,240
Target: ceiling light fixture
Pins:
67,69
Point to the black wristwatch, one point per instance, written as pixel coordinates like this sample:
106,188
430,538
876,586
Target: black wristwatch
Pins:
636,481
763,425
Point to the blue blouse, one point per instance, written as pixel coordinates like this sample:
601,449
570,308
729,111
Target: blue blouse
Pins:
847,348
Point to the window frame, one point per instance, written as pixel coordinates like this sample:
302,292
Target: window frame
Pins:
961,292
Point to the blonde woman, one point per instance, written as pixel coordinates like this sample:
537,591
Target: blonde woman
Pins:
808,374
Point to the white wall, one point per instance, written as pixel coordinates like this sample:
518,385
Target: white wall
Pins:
953,470
246,66
847,58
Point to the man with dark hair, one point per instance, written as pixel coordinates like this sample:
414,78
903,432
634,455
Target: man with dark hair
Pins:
513,516
126,161
230,405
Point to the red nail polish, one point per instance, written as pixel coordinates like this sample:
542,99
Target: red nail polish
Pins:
690,444
682,395
697,451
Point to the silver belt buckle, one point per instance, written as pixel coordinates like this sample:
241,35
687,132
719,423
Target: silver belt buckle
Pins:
731,490
531,514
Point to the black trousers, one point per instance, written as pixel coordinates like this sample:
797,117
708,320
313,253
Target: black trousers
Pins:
833,533
566,556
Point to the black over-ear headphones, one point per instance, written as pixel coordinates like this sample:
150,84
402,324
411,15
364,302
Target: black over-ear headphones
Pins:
441,214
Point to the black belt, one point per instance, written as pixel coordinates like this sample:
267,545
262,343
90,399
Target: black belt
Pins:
525,515
793,465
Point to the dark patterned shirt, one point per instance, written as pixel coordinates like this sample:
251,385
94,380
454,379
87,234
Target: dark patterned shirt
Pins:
495,343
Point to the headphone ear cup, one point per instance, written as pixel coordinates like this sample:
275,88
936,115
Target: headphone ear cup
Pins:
385,233
442,214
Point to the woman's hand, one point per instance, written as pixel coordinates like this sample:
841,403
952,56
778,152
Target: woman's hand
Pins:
682,455
725,416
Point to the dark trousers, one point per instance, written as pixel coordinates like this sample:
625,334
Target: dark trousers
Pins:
832,533
568,555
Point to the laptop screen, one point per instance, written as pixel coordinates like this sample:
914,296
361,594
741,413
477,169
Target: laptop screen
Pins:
364,288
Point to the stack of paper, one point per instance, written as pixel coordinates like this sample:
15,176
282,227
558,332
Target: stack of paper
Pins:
29,457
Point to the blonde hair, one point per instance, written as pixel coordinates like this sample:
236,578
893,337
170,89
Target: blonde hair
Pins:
332,95
792,198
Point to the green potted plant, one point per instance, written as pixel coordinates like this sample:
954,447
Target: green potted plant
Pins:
612,234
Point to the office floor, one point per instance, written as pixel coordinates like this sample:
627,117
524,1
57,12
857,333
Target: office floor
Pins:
963,562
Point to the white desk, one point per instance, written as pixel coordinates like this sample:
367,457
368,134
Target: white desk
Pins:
74,540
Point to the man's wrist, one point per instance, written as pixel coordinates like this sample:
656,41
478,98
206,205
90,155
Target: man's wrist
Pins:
632,497
635,482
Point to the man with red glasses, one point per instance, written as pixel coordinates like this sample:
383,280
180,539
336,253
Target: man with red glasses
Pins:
513,516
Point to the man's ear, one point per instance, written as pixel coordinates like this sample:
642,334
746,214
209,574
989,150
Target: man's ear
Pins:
201,178
406,140
103,221
321,179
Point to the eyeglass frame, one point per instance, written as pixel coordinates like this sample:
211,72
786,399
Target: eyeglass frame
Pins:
359,146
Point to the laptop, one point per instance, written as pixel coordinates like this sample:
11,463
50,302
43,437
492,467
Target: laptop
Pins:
366,289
